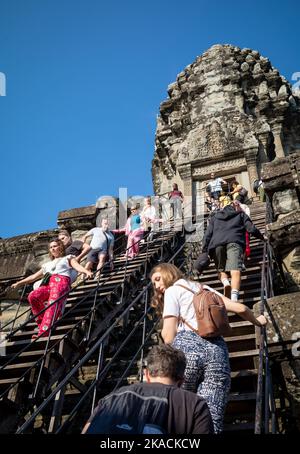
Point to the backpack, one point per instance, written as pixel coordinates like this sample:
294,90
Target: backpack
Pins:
243,192
211,314
202,262
133,409
255,186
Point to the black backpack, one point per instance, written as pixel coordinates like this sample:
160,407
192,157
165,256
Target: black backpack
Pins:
255,186
244,193
134,409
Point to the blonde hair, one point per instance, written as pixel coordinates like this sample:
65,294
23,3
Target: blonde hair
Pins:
169,274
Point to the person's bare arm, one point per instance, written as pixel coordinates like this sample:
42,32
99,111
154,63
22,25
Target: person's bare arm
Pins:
244,312
85,249
85,237
237,189
28,280
169,330
74,264
85,428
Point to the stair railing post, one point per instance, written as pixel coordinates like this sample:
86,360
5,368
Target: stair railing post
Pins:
45,351
99,367
93,310
145,297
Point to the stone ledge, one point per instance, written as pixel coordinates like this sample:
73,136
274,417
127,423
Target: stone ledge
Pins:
284,318
285,232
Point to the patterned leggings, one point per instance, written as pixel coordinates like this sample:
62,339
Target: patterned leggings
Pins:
207,372
58,285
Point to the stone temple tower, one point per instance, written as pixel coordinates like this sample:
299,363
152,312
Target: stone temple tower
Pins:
228,112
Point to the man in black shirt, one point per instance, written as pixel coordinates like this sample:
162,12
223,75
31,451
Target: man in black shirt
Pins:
77,247
225,242
158,406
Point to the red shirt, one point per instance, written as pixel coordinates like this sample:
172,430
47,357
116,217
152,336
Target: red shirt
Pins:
175,194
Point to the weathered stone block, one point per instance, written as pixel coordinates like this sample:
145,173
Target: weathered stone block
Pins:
285,201
284,318
276,175
285,232
83,218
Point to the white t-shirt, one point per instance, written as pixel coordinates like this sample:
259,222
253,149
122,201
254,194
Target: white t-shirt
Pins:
178,302
60,266
149,213
216,185
99,238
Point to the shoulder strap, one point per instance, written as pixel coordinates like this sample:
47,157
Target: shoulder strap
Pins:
181,319
189,289
107,241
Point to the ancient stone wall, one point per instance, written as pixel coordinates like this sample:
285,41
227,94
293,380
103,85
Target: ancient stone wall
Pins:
24,254
229,112
281,180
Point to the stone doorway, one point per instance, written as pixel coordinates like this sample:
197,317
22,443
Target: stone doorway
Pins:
199,185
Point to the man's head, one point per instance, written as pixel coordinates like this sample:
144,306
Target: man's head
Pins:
212,175
165,364
105,224
65,237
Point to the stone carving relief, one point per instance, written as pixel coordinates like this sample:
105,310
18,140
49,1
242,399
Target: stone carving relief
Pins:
220,105
219,166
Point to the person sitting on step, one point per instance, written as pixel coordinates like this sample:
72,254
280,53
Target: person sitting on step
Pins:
102,246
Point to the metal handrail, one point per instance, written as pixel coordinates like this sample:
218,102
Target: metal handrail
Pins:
53,302
11,333
48,350
53,346
267,409
92,350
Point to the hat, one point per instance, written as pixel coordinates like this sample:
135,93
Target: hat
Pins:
202,262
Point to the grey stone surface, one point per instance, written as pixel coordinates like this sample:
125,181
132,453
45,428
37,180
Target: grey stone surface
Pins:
83,218
284,318
281,179
285,201
229,104
285,232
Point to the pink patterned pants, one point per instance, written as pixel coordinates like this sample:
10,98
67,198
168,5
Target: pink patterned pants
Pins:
45,295
132,242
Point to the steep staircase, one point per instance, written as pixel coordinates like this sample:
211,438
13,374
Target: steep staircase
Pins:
29,370
243,350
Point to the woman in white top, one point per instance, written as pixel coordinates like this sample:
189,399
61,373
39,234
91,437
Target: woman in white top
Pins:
208,370
148,216
63,271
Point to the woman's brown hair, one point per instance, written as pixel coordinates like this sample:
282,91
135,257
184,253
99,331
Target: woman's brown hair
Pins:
170,274
62,250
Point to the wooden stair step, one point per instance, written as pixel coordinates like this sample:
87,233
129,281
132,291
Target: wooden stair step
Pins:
240,338
251,353
244,373
241,396
26,334
237,427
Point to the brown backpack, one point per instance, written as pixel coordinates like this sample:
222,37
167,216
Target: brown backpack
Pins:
211,314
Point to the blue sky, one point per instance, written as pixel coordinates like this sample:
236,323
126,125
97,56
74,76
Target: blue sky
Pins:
84,80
